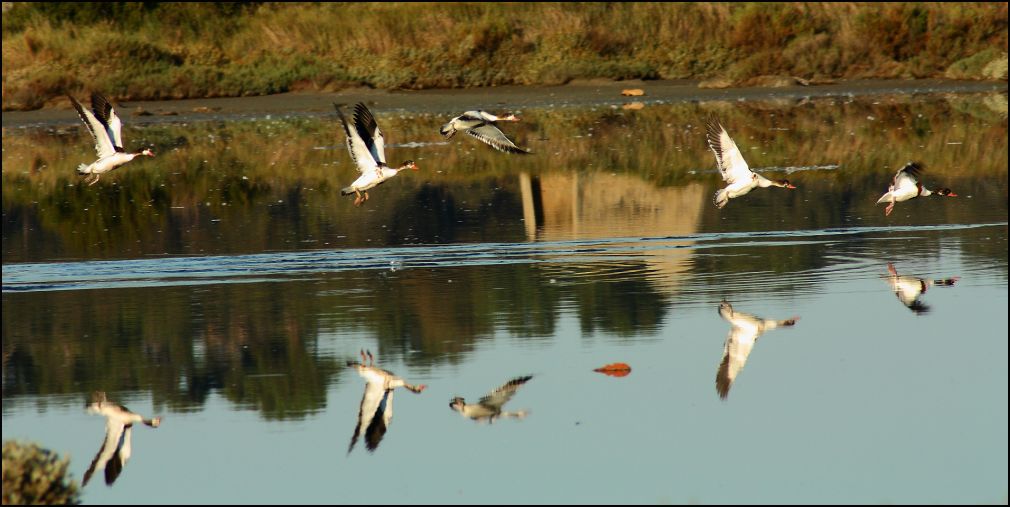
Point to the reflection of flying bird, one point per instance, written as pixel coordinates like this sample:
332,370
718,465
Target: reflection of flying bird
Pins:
735,172
489,408
118,431
741,339
909,288
368,150
106,127
906,186
376,410
480,124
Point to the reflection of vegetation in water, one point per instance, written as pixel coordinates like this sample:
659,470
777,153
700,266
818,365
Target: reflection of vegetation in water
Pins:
620,306
253,346
256,186
250,186
257,344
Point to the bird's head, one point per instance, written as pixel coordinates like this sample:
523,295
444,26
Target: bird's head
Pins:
724,306
147,152
408,165
95,402
949,281
510,117
946,192
784,184
457,403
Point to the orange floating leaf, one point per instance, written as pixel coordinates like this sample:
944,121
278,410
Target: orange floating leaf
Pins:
615,369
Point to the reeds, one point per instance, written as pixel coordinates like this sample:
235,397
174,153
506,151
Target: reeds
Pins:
152,51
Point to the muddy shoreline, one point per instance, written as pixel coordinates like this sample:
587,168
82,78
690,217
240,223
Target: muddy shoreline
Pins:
501,98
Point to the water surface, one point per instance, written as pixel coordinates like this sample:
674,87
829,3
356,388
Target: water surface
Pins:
225,283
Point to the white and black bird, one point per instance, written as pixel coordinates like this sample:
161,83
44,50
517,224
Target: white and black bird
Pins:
489,408
376,409
908,289
735,172
906,186
481,125
744,333
106,127
117,447
367,146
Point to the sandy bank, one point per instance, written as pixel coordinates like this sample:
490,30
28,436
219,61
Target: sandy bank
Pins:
496,99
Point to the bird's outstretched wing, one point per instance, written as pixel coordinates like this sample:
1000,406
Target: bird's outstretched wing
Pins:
495,138
731,163
103,143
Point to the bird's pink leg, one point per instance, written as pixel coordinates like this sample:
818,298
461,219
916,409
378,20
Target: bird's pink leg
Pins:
889,209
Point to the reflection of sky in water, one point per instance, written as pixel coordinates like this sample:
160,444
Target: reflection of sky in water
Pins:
866,404
485,271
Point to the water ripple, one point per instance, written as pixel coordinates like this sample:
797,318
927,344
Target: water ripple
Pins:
281,266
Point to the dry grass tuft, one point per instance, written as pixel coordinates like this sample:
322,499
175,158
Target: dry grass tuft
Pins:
175,50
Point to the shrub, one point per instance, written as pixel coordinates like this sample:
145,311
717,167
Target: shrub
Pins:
32,475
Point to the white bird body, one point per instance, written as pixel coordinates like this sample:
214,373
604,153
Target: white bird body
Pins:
117,447
734,169
106,128
908,289
106,164
906,185
376,409
370,179
367,147
481,125
744,333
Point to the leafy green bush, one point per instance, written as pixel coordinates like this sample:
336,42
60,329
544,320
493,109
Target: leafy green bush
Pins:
32,475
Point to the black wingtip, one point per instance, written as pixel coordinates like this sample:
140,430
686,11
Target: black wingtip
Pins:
99,98
361,110
101,106
712,123
364,121
76,104
914,167
713,131
343,119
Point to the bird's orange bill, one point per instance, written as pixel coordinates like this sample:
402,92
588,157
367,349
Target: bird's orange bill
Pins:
615,370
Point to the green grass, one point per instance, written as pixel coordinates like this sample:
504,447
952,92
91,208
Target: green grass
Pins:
154,50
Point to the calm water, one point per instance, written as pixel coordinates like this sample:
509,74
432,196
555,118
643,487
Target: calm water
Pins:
224,284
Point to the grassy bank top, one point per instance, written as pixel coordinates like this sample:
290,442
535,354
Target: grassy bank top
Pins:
153,50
